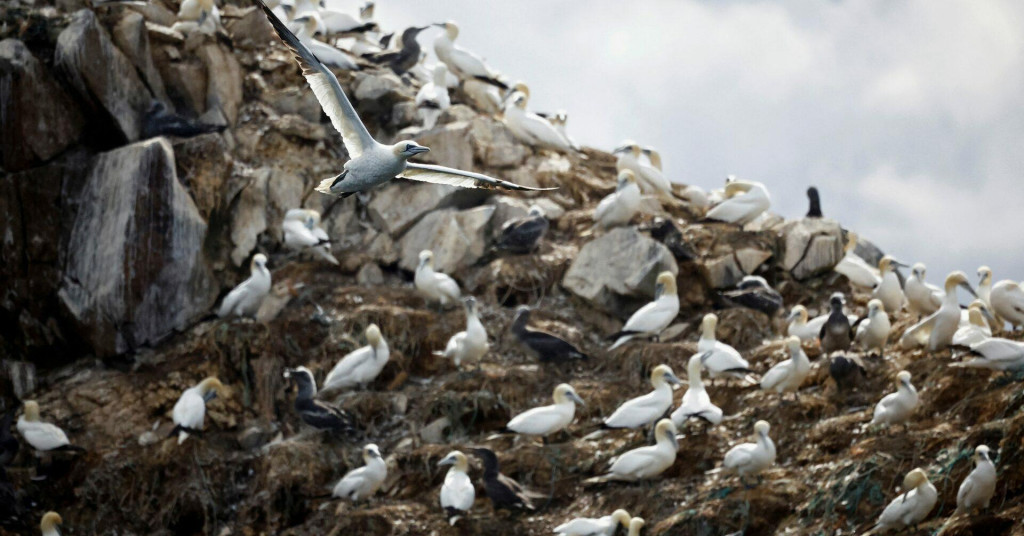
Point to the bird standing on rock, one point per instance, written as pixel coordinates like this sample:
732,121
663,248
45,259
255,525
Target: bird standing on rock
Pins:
547,347
504,492
361,366
245,299
470,345
363,482
436,286
651,319
42,436
190,409
814,211
522,235
314,412
835,334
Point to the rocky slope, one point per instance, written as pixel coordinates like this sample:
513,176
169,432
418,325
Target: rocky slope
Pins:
116,246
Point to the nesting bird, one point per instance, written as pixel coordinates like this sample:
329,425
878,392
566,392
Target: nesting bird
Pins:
432,98
361,366
1007,299
651,319
835,334
547,347
936,331
857,271
873,329
461,62
751,458
531,128
977,489
523,235
302,232
797,324
504,492
589,526
546,420
696,403
996,354
314,412
470,345
922,298
644,410
896,408
788,375
619,207
363,482
644,462
911,507
436,286
40,435
190,410
247,297
310,24
889,290
754,292
976,329
744,202
724,359
457,492
649,177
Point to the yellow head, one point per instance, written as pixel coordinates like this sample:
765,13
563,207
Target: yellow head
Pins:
626,177
635,525
798,312
455,459
407,148
903,378
621,517
985,273
666,430
212,384
50,521
373,335
709,324
31,411
663,373
761,428
914,479
666,284
370,452
885,264
565,393
851,242
451,30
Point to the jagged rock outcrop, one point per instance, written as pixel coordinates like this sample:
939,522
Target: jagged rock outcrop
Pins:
458,238
810,246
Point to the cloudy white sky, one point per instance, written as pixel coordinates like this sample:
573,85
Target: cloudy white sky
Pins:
908,116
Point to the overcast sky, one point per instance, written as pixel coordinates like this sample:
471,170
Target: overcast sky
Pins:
908,116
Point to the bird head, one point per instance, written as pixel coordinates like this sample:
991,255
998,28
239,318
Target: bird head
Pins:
654,156
370,452
212,387
665,429
635,525
663,373
407,149
793,343
565,392
981,452
621,517
456,459
373,335
836,301
665,284
31,411
626,177
851,242
918,270
798,311
874,306
959,279
903,378
427,258
985,275
628,146
709,324
914,479
470,304
761,428
50,522
535,210
450,29
259,262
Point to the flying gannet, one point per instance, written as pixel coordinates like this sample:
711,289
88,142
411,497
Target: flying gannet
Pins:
314,412
371,163
889,291
857,271
724,359
547,347
649,177
651,319
48,526
310,24
936,331
302,232
836,332
504,492
814,210
461,62
745,201
788,375
635,526
522,235
644,410
41,435
923,299
546,420
531,128
246,298
754,292
696,403
976,330
190,410
590,526
470,345
361,366
896,408
873,329
457,492
1007,299
363,482
911,507
619,207
996,354
436,286
751,458
644,462
977,489
432,98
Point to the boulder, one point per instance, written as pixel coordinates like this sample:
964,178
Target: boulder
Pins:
132,38
101,74
39,118
723,271
449,145
618,270
204,166
810,246
135,269
457,238
223,80
494,145
185,82
294,100
399,205
249,214
249,29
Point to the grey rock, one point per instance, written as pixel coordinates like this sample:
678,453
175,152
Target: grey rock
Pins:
294,100
396,207
723,271
378,86
810,246
223,80
449,146
249,216
370,275
494,145
132,38
457,238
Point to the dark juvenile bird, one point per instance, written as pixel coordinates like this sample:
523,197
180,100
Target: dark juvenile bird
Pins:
845,370
665,231
753,292
522,235
547,347
815,210
314,412
504,492
836,333
159,121
405,58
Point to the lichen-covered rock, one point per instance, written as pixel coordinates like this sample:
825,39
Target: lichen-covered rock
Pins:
457,238
810,246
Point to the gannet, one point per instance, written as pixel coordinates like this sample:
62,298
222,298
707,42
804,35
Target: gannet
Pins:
48,526
523,235
309,24
457,492
589,526
786,376
896,408
314,412
936,331
860,273
696,403
619,207
436,286
911,507
799,326
42,436
754,292
432,98
504,492
873,329
531,128
546,420
470,345
302,232
190,410
408,56
361,366
988,319
159,121
644,462
635,526
651,319
996,354
644,410
363,482
341,22
724,359
1007,299
985,286
461,62
664,230
922,298
717,195
977,489
246,298
560,120
845,370
889,289
835,334
977,328
745,201
371,163
197,16
547,347
814,211
649,178
751,458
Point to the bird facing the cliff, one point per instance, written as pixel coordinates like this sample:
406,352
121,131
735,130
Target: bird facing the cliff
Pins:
504,492
42,436
547,347
651,319
371,163
363,482
190,409
361,366
314,412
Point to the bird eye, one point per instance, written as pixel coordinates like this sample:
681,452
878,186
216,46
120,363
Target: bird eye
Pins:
408,147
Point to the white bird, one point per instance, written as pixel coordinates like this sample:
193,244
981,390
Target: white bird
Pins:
48,525
724,359
751,458
788,375
911,507
309,24
645,462
436,286
799,326
745,201
560,120
363,482
986,314
432,98
873,332
531,128
985,286
42,436
619,207
976,330
197,16
889,290
1007,299
362,365
922,298
696,403
461,62
646,409
896,408
936,331
470,345
589,526
635,526
246,298
302,232
651,319
457,493
996,354
977,489
546,420
649,178
341,22
371,163
190,410
857,271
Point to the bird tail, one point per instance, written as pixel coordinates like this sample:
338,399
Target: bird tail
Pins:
454,515
325,185
71,448
622,338
182,436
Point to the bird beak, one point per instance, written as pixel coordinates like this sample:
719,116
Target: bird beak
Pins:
622,149
671,378
419,149
967,286
988,316
576,398
659,289
439,25
447,461
704,357
899,264
792,316
675,441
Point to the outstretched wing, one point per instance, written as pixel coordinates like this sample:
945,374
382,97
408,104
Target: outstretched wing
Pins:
457,177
